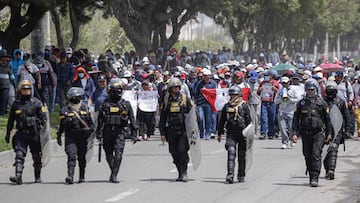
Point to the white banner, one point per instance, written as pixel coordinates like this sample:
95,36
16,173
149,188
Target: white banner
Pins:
148,101
222,97
131,96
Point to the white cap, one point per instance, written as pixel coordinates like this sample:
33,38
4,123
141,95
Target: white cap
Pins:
206,71
216,77
307,72
127,74
318,68
285,79
69,50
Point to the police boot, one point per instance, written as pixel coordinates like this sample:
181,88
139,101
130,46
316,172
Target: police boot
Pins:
230,165
314,181
330,175
179,171
115,170
183,173
110,161
18,172
241,165
37,171
70,178
81,174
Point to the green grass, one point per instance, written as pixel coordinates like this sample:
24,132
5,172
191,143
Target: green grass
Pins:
54,123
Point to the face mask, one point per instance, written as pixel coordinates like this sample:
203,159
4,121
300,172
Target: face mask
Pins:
81,75
68,55
266,78
75,100
25,97
39,65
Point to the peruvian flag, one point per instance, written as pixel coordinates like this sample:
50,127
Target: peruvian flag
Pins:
220,96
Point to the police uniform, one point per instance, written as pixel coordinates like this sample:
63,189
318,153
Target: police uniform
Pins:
234,119
115,115
78,126
312,122
330,159
172,125
29,114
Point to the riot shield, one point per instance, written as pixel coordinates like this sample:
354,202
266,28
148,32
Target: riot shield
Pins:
90,140
249,133
336,122
192,132
45,138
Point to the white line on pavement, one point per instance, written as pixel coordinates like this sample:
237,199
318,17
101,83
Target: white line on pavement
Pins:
218,151
175,170
122,195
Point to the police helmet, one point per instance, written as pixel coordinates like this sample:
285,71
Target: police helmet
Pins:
310,85
116,85
331,87
75,95
174,82
25,84
235,90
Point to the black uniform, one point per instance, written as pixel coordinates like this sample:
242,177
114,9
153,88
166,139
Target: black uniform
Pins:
312,122
172,125
234,120
113,119
330,160
76,136
30,117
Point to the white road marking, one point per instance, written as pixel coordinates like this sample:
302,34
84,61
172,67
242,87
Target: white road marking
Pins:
122,195
218,151
174,170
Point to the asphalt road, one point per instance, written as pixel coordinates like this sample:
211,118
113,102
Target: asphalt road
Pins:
148,175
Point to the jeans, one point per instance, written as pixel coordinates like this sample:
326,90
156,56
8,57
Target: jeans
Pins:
205,114
4,93
285,121
268,118
213,122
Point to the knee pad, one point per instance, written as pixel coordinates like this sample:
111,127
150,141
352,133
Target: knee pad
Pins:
118,154
19,157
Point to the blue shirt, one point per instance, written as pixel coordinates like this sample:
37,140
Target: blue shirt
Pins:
98,97
198,97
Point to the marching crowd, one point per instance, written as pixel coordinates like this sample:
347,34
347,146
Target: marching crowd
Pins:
275,87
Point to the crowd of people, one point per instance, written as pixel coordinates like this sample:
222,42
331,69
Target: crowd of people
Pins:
277,97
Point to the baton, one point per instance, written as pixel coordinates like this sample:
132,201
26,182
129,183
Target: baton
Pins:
99,154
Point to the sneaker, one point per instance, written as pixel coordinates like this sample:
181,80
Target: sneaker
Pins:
293,144
145,137
241,179
207,138
139,138
262,137
148,139
270,137
283,146
212,136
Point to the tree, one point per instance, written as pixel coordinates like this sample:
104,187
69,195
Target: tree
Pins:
24,16
144,21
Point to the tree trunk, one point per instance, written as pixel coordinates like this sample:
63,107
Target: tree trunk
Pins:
75,25
38,36
56,20
19,27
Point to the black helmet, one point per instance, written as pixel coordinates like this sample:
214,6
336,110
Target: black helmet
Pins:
310,85
75,94
115,88
331,90
235,90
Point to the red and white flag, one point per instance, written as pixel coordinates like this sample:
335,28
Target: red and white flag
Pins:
220,96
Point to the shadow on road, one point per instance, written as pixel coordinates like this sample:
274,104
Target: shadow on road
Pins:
163,180
292,184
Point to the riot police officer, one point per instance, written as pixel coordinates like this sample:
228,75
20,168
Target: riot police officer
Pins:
114,117
332,99
312,122
172,126
76,122
29,114
235,116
